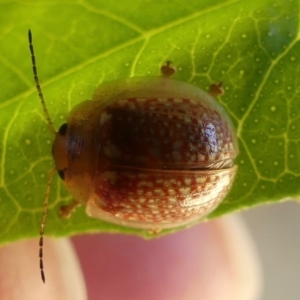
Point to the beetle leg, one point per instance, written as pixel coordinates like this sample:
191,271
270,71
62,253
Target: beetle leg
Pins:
167,70
216,89
154,231
67,210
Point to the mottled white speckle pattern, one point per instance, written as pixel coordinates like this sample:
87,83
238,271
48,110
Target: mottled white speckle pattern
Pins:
196,193
159,160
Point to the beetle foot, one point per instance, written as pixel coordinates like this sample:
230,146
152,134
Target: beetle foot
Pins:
154,231
67,210
167,70
216,89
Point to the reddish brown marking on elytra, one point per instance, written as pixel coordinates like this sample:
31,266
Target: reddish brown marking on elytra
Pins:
161,197
172,134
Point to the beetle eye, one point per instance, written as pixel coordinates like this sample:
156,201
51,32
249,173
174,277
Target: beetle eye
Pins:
63,129
61,174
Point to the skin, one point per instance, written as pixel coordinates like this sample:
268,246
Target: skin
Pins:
215,260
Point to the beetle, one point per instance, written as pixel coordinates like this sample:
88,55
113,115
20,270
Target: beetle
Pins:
145,152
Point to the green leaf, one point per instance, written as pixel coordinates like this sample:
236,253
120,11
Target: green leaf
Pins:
252,46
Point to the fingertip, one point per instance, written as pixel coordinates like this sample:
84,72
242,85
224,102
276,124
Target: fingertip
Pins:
240,258
20,275
214,260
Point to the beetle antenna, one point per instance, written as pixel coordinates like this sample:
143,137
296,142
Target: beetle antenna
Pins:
43,223
37,84
51,173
